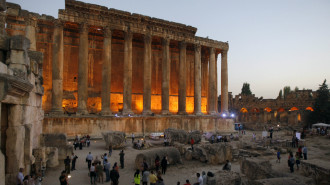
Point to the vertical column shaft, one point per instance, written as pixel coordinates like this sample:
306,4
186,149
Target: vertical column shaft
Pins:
30,31
83,70
166,75
182,78
197,83
57,68
127,109
147,75
224,82
212,81
106,72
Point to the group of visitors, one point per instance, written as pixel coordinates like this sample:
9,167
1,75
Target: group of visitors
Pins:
81,142
295,159
219,138
28,179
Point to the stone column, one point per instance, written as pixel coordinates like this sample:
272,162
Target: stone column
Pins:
30,31
147,75
212,85
197,83
57,68
182,78
166,64
106,72
224,82
83,70
127,109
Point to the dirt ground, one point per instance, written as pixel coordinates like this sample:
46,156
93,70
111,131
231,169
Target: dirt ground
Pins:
318,148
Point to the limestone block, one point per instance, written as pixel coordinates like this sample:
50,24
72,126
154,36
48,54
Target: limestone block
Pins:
15,148
15,117
2,168
52,157
224,178
19,42
188,155
3,68
256,169
4,42
182,136
173,156
114,138
59,141
217,153
2,8
36,56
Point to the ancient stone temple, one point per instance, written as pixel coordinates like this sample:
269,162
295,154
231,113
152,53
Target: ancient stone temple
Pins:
106,69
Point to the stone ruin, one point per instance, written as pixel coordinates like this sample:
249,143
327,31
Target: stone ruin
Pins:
114,138
182,136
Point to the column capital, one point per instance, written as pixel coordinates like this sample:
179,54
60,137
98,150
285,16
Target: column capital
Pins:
182,44
212,50
107,31
128,35
58,23
197,47
147,38
83,28
31,21
165,41
224,52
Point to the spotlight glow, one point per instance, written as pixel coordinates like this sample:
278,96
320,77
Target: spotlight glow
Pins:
232,115
224,115
69,176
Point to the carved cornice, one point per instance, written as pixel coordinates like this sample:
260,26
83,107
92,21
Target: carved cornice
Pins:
165,41
83,27
58,23
13,86
147,38
107,32
31,21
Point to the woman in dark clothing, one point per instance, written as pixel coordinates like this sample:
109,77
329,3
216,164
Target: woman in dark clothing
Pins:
164,165
157,163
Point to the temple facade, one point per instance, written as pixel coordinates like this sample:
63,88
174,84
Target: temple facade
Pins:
104,66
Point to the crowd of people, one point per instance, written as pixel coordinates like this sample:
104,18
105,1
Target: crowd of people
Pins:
28,179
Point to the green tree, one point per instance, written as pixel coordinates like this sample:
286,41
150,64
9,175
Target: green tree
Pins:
280,94
246,89
286,91
321,107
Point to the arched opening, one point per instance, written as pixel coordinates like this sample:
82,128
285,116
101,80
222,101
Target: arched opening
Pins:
267,109
280,110
243,110
309,108
255,110
299,117
293,109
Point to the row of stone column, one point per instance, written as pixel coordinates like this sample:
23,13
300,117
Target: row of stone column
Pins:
57,77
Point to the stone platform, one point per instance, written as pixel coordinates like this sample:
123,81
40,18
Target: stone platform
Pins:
140,125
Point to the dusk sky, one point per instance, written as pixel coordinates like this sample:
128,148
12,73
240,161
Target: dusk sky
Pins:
272,43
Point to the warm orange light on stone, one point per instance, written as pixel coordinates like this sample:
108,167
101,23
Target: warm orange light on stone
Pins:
280,110
294,108
190,105
204,105
267,109
310,108
243,110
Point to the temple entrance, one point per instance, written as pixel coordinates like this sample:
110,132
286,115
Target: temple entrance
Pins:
4,126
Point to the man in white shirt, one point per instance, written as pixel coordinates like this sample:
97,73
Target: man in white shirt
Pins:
20,177
200,179
89,159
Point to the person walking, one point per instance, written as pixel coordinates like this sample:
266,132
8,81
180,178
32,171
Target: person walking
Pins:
164,165
298,157
92,174
110,150
192,142
114,176
304,151
99,172
104,157
199,179
145,177
145,166
204,177
73,161
137,177
152,178
121,159
133,137
291,162
107,170
89,159
67,162
63,179
20,177
278,154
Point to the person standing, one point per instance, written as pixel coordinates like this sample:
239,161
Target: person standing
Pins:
291,162
304,151
137,177
73,161
160,180
133,137
204,177
164,165
227,166
92,174
157,163
114,176
63,179
145,177
298,157
88,141
192,142
121,158
212,139
293,142
110,150
67,162
199,179
187,182
107,170
145,166
278,156
104,157
20,177
99,171
152,178
89,159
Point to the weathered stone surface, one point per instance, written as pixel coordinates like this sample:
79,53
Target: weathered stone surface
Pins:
277,181
183,136
4,42
36,56
224,178
319,170
2,169
19,42
255,169
2,5
59,141
173,157
217,153
114,138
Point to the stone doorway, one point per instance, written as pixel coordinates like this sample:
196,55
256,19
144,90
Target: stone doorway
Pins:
3,139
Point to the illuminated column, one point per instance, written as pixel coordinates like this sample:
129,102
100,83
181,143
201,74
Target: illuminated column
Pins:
212,85
30,31
106,72
83,70
224,82
147,75
197,83
128,35
57,67
182,78
166,76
